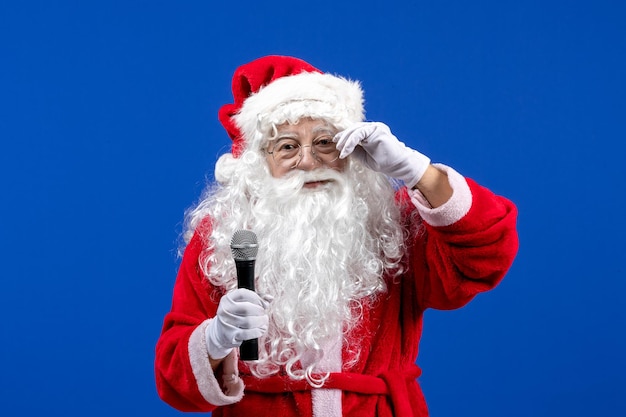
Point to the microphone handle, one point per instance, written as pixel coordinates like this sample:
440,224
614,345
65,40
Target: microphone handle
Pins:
245,274
249,349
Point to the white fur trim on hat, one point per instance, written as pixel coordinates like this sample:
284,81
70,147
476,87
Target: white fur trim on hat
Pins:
288,99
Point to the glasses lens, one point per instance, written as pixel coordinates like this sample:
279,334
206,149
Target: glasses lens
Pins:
286,151
324,146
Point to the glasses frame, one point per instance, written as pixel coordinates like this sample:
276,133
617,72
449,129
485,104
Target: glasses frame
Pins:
316,156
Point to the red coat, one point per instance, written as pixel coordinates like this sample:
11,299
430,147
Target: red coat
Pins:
465,247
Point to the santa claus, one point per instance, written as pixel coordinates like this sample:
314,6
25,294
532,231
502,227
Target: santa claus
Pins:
358,234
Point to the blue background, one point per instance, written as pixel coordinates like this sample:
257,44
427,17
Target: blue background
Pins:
109,131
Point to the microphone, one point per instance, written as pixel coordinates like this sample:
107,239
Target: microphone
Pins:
244,248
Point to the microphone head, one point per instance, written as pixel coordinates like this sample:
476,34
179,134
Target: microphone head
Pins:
244,245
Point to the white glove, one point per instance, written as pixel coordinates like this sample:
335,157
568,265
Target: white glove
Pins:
240,316
381,151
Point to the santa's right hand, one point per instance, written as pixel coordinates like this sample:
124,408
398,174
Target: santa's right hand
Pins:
240,316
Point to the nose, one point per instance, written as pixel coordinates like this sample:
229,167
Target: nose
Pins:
308,160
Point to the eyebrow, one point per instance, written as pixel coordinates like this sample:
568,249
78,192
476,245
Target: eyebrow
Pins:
286,135
324,129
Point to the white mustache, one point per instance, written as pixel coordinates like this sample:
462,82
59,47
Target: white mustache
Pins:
302,177
293,184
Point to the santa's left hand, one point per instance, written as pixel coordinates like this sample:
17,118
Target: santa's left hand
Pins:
377,148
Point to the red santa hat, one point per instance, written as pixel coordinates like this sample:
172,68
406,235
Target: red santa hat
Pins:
276,89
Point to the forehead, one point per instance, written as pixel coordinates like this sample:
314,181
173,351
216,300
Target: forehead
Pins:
306,126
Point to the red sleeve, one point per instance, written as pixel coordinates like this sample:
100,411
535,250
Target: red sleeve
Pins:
454,263
191,306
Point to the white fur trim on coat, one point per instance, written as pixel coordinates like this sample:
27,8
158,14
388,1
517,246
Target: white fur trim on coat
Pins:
327,402
208,385
452,210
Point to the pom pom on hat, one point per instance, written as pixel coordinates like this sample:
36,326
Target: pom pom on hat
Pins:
225,167
276,89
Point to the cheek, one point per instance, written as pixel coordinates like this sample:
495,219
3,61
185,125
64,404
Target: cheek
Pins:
338,165
275,171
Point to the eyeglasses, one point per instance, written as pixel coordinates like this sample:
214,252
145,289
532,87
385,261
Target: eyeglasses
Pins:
288,152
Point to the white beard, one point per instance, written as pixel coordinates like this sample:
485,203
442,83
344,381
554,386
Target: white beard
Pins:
320,259
316,259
